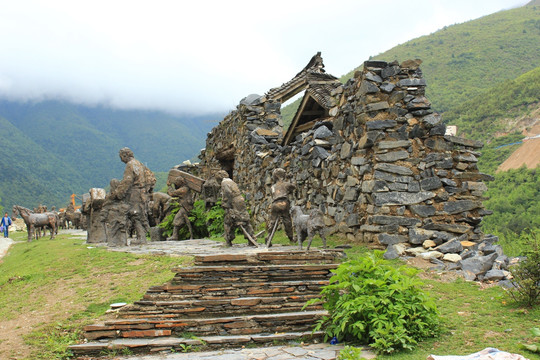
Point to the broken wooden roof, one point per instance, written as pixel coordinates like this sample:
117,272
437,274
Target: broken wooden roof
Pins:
312,74
317,100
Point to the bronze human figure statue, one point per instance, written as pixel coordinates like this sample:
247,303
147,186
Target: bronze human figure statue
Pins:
180,192
135,189
161,206
114,217
211,190
236,215
280,207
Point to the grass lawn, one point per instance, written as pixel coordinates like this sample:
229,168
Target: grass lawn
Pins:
49,289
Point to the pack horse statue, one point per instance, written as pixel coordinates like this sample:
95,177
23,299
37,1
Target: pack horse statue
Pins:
34,221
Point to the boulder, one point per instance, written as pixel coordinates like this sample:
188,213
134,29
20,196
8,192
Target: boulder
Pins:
453,258
452,246
494,275
478,265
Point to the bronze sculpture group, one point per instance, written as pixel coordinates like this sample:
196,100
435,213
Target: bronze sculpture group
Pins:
124,216
125,210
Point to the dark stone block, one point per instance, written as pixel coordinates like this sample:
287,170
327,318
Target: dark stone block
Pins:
390,71
394,169
465,142
423,210
375,64
478,265
391,253
430,183
387,87
432,120
390,239
438,130
452,246
322,133
418,236
401,198
367,87
453,228
369,139
438,144
380,124
252,99
412,82
422,112
393,220
455,207
319,152
417,132
392,156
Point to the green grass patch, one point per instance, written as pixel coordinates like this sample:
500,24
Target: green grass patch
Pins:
72,283
75,283
473,318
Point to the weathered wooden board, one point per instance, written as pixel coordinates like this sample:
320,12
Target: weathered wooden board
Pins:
195,183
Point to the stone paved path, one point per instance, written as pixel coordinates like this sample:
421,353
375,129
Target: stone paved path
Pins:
5,243
307,352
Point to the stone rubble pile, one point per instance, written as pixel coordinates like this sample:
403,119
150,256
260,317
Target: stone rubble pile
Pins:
484,261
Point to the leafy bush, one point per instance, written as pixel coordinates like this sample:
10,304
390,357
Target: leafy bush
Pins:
371,301
350,353
214,220
526,274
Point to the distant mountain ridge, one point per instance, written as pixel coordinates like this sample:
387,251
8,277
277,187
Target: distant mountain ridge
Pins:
56,148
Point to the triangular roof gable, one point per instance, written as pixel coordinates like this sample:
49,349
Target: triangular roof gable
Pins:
316,103
313,71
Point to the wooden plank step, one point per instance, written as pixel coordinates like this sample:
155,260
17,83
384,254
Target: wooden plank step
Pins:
254,268
251,273
216,307
195,344
228,290
231,325
273,257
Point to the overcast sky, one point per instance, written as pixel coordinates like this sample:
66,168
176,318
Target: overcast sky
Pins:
200,56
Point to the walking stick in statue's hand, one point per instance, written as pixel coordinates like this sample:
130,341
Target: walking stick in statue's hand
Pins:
251,240
269,241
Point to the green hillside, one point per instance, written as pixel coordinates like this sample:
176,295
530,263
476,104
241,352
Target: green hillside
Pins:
462,60
488,113
29,174
56,148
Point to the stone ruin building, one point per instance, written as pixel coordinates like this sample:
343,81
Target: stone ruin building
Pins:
370,153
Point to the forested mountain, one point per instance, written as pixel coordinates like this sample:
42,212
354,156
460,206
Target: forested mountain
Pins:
52,149
493,111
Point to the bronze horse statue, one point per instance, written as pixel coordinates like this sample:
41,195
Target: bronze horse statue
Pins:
34,221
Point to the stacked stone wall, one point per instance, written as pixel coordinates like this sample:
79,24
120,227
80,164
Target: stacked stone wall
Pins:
380,168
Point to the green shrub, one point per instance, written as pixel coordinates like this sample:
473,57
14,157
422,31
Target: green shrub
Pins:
350,353
203,223
370,301
214,220
526,274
